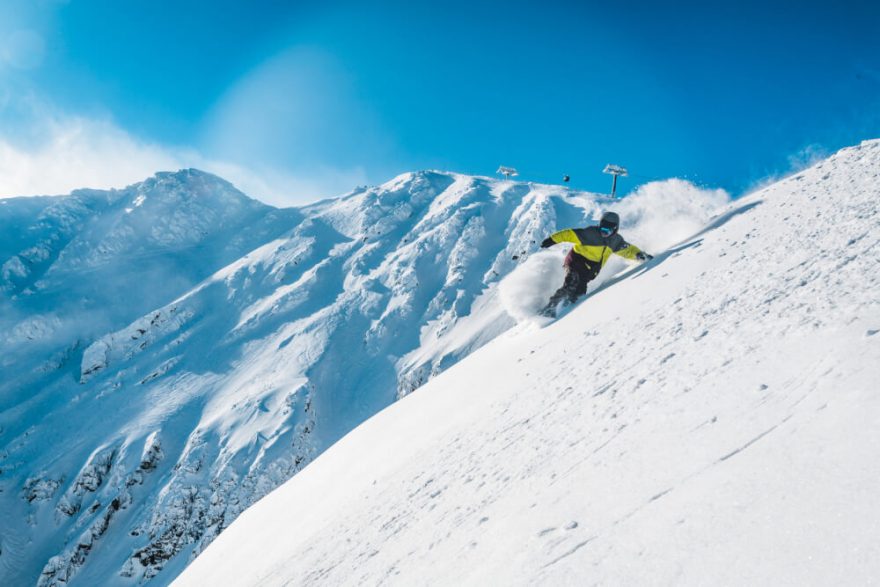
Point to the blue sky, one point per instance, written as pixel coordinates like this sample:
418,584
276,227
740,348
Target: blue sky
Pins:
294,100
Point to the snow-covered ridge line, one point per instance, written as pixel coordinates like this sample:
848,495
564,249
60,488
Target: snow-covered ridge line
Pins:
126,343
229,353
709,418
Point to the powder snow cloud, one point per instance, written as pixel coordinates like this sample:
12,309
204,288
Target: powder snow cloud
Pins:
656,216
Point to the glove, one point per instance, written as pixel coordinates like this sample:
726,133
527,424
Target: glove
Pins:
547,242
642,256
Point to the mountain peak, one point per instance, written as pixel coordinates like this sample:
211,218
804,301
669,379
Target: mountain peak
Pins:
192,183
190,175
420,175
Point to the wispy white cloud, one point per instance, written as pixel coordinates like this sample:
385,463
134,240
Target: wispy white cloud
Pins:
289,132
60,154
76,153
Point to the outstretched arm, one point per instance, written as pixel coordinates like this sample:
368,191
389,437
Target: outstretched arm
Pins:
563,236
632,252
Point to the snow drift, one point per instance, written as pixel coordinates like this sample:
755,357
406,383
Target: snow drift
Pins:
711,417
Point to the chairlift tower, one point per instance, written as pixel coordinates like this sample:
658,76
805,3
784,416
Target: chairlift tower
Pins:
507,172
614,171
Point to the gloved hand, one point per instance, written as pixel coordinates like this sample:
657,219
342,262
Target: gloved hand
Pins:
547,242
642,256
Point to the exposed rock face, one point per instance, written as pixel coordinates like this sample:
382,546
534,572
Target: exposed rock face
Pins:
40,489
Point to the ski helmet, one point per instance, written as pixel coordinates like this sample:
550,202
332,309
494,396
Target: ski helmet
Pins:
609,223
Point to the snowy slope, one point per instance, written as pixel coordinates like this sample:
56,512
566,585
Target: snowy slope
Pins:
710,418
217,346
73,267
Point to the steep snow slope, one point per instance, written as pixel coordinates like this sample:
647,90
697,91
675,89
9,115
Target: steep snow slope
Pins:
72,267
710,418
130,448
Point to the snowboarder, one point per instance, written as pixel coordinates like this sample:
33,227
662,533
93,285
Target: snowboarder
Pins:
592,247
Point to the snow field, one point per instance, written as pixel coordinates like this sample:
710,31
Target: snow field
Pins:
142,326
710,417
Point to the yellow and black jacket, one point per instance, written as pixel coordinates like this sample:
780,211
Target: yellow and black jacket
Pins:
593,246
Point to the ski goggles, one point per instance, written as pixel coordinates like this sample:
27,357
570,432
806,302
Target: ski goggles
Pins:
606,230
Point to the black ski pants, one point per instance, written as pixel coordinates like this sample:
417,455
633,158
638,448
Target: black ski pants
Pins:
578,273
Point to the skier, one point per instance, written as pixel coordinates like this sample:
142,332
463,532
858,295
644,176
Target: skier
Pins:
592,247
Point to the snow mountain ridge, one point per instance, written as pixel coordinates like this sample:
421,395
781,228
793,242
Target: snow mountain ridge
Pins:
712,417
173,351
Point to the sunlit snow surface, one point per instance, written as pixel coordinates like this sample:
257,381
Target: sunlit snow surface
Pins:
173,351
710,418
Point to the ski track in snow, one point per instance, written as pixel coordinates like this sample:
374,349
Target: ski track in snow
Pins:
712,417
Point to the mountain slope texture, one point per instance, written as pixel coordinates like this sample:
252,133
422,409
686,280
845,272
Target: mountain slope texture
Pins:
173,351
711,417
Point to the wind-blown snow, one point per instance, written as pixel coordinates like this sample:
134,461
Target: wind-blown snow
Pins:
712,417
655,217
526,290
662,213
